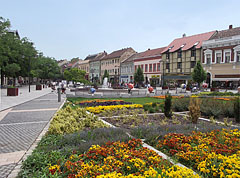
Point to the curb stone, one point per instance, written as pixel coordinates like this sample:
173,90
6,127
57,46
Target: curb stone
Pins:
16,170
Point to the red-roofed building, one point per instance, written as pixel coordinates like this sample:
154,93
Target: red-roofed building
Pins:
181,55
149,62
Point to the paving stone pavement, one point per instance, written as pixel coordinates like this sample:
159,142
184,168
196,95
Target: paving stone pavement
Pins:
21,126
6,169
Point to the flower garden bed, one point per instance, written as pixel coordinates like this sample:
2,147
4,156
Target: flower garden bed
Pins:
137,120
78,144
118,159
212,154
98,102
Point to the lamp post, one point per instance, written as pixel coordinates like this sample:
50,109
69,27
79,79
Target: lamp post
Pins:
29,68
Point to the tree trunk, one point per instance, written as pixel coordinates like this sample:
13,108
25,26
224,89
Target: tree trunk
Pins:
2,78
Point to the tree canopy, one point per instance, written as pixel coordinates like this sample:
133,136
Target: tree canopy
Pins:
138,76
18,56
199,74
75,75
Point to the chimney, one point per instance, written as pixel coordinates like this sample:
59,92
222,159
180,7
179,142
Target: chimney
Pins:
184,35
148,48
230,26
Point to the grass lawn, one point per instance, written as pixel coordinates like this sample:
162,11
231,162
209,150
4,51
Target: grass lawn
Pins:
133,100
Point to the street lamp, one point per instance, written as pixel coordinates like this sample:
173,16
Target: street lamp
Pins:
29,68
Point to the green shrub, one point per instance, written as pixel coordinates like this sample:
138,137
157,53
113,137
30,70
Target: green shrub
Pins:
69,120
151,110
181,104
210,107
237,110
168,106
154,105
146,107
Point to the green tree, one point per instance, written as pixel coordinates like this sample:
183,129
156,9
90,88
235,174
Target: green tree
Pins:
75,75
199,74
138,76
45,68
14,52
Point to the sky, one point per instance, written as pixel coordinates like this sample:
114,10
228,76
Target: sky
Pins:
65,29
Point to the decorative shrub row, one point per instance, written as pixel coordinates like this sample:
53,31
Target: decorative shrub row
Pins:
69,120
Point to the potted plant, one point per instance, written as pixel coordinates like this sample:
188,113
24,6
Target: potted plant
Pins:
12,70
12,91
38,86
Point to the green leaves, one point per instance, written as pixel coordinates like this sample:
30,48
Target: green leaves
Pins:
138,76
199,74
75,75
12,69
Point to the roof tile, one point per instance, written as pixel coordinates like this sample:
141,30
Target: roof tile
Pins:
188,42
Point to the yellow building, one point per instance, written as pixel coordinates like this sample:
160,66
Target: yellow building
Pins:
181,55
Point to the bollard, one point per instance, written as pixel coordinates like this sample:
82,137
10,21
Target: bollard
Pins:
59,94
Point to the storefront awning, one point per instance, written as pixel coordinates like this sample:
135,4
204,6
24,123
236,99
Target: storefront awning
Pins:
177,77
225,79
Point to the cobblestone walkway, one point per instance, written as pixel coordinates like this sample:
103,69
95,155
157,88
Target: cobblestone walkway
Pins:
21,126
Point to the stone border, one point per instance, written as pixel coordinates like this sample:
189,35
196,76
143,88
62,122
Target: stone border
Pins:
208,120
17,168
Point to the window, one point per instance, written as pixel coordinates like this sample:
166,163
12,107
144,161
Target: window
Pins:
179,65
154,67
193,53
146,67
179,54
150,67
158,67
238,56
142,67
168,66
167,55
193,63
135,68
208,56
219,57
227,57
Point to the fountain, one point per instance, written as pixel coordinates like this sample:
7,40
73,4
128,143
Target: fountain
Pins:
105,83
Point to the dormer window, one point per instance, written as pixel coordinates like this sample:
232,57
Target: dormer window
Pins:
182,45
195,44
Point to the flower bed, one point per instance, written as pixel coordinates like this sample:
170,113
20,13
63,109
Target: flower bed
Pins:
217,150
100,109
163,97
99,102
118,159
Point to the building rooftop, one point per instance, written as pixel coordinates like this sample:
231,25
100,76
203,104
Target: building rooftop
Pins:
226,33
187,42
116,54
151,53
